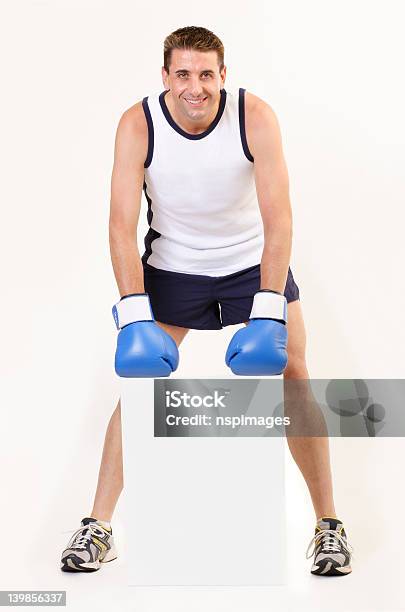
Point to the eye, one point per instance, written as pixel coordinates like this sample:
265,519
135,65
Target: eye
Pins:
206,74
182,75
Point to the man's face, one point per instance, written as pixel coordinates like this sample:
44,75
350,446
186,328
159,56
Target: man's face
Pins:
195,81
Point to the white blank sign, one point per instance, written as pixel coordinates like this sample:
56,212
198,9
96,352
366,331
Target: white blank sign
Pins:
200,510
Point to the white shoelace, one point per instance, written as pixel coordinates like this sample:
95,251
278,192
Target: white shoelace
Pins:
332,542
81,536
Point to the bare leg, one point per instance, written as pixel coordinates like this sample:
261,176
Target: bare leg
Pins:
110,478
311,454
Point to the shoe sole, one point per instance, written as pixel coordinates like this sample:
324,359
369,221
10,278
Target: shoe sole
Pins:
70,566
330,570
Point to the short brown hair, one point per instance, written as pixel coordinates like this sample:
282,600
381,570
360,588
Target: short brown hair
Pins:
192,37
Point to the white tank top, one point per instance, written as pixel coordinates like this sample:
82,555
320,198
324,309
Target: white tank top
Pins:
203,211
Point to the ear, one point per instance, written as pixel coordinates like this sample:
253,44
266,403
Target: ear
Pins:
223,75
165,78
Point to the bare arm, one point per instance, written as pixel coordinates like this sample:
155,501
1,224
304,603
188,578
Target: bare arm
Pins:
272,187
131,146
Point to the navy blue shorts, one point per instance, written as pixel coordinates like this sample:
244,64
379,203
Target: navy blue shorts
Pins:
206,302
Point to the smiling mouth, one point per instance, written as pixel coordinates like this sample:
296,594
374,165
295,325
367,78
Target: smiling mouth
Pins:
195,102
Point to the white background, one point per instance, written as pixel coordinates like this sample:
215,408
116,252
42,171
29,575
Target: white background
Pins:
332,71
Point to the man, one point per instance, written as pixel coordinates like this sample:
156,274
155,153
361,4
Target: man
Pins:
218,249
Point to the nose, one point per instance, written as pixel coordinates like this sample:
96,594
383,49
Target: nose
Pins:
195,87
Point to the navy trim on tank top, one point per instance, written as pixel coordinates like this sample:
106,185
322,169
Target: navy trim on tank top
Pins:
242,125
178,129
151,136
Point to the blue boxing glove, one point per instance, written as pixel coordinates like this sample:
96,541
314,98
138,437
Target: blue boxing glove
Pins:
260,348
144,350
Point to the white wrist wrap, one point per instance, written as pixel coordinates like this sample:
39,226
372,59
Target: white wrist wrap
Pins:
269,305
131,309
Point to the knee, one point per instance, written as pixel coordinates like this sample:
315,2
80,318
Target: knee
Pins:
296,367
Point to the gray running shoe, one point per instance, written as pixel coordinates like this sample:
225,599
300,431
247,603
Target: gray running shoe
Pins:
332,554
90,546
